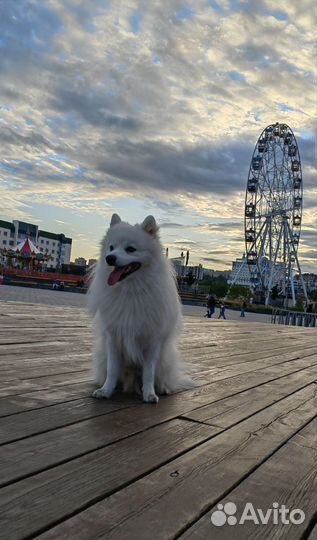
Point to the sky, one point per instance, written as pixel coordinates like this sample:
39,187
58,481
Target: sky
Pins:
151,108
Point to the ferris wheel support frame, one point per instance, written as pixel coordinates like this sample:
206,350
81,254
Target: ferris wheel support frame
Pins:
297,263
287,235
272,269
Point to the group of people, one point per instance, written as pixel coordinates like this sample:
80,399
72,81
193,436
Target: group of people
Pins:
212,303
211,306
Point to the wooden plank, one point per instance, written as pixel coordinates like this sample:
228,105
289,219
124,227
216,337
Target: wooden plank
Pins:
220,413
220,372
16,427
288,478
222,388
31,504
31,455
37,399
30,365
245,404
60,334
42,383
55,346
22,401
30,373
14,388
176,494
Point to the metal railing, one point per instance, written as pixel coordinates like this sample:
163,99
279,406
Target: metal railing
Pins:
293,318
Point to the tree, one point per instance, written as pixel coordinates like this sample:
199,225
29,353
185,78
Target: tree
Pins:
215,285
313,295
299,306
239,290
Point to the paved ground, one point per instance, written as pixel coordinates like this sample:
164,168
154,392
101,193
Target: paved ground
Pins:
61,298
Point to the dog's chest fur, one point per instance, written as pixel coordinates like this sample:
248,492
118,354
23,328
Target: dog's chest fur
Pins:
134,315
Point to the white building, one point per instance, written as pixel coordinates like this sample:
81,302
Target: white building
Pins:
7,234
240,274
57,246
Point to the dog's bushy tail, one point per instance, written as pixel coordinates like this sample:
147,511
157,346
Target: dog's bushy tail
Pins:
171,374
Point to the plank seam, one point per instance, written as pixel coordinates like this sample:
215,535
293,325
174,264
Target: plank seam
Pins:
310,527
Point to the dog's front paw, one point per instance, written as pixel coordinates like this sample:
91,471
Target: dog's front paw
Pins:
150,397
102,393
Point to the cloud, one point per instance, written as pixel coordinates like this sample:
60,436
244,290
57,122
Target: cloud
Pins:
184,242
160,103
171,225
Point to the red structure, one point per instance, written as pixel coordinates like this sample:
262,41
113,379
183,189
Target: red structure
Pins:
25,256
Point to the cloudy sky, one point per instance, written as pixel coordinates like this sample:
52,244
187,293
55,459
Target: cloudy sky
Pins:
151,107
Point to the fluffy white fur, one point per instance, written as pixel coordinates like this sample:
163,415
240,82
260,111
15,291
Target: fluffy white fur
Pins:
137,320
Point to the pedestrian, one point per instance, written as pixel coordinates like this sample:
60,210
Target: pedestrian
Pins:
211,303
222,311
243,307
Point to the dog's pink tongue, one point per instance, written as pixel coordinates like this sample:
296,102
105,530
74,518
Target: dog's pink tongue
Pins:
115,275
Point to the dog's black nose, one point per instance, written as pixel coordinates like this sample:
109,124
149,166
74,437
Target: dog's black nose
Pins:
111,260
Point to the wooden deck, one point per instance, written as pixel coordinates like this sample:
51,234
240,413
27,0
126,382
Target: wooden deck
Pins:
79,469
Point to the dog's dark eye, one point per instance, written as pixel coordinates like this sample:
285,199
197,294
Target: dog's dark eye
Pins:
130,249
111,248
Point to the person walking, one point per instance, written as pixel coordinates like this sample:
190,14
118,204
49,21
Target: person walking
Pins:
211,303
222,311
243,307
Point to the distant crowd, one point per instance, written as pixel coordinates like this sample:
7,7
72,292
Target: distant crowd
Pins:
213,302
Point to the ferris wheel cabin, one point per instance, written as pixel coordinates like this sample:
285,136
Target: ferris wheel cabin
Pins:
295,166
252,185
297,182
256,163
250,210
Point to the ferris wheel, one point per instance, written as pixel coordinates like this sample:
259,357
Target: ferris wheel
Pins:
273,212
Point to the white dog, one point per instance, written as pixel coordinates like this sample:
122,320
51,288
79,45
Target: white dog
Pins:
137,314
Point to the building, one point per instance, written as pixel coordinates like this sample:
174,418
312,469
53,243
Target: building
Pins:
240,274
209,273
179,264
56,246
7,234
310,281
197,272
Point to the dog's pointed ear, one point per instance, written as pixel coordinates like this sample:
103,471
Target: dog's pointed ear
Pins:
150,226
115,219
